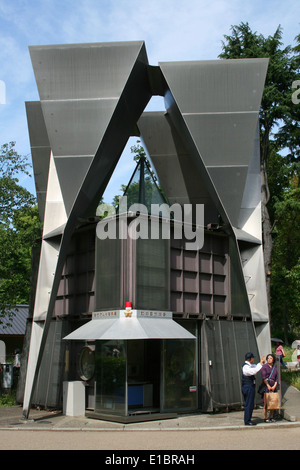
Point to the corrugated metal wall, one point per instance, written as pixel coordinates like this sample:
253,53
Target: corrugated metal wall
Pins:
223,347
48,390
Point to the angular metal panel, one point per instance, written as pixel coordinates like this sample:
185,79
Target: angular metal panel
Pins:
38,134
219,103
40,151
223,139
79,87
230,181
180,179
83,71
77,127
71,172
253,267
55,213
240,302
157,139
215,86
252,194
40,160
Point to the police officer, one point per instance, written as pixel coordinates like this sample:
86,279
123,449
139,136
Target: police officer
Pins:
249,370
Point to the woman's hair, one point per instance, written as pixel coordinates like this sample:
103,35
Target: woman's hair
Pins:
273,357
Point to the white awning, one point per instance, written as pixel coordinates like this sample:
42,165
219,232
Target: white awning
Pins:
124,328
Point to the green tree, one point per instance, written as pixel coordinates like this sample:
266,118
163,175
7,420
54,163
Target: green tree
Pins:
275,108
289,133
12,195
285,286
19,228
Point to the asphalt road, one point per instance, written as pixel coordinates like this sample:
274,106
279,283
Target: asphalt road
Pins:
245,439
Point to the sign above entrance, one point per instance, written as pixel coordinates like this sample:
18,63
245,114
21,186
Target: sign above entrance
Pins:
131,313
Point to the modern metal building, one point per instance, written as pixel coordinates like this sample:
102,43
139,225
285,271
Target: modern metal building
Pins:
192,311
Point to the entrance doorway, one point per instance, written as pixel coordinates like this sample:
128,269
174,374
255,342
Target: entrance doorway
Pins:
143,375
138,379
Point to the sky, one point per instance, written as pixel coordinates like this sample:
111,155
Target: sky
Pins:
172,30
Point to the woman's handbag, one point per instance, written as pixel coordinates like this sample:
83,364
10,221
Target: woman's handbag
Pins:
272,400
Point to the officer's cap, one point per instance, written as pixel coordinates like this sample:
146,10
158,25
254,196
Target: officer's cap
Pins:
249,355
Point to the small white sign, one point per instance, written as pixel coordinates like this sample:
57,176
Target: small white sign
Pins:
130,313
154,314
106,314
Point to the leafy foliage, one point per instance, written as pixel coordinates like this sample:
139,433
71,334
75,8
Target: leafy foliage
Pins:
279,153
286,261
19,228
12,195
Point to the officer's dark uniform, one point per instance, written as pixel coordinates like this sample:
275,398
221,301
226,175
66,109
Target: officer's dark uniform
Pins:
248,390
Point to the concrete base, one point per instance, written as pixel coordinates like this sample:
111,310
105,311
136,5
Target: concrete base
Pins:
73,398
137,418
290,402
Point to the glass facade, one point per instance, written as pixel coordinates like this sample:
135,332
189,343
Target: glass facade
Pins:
110,379
180,372
152,274
143,375
108,274
139,376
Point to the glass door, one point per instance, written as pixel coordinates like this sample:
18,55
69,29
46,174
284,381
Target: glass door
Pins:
110,377
180,372
143,376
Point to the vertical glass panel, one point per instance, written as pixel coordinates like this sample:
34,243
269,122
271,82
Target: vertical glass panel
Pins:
180,372
152,274
143,371
111,377
108,274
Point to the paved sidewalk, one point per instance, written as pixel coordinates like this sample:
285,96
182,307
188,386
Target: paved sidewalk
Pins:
12,418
